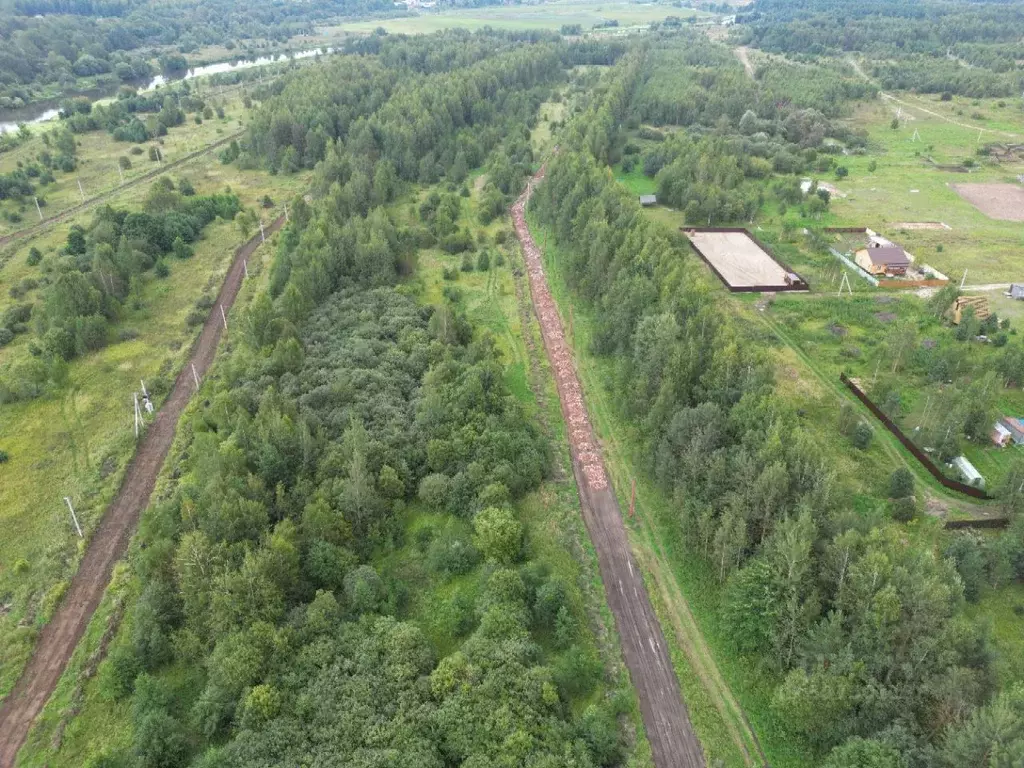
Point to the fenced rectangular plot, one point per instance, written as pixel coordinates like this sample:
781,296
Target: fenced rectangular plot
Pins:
741,262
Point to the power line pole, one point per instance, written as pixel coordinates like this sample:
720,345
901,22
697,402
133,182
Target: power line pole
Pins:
38,209
223,317
138,414
120,172
245,266
195,376
74,517
80,190
263,237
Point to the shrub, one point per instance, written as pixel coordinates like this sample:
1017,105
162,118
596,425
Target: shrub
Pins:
6,337
903,509
34,256
901,484
160,269
862,435
4,457
467,263
497,534
483,261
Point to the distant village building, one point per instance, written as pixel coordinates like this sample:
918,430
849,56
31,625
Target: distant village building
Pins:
968,473
978,303
1013,429
648,200
878,259
1001,435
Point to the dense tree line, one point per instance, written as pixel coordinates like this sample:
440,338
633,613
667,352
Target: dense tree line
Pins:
258,570
421,127
920,44
57,43
863,629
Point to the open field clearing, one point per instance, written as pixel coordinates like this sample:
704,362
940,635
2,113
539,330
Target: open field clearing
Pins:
98,155
906,187
997,201
76,443
544,16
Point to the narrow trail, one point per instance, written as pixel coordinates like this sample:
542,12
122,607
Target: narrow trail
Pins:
666,720
110,540
855,65
743,54
95,199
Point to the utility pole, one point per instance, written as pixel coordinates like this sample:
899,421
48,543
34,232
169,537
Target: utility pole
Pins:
632,500
223,317
263,237
245,266
286,211
74,517
80,190
38,209
138,414
195,376
963,280
120,173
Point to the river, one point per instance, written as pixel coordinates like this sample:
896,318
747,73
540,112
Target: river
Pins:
40,112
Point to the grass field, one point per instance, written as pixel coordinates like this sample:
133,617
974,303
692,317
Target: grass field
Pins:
76,442
98,159
906,187
552,16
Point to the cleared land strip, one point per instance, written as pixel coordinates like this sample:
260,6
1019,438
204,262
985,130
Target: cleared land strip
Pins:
109,542
91,201
666,720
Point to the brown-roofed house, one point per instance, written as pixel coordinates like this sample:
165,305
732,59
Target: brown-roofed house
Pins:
879,259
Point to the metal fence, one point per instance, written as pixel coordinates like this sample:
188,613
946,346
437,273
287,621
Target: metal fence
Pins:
921,456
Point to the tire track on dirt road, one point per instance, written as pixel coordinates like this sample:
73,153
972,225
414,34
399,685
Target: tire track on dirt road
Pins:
95,199
666,720
109,542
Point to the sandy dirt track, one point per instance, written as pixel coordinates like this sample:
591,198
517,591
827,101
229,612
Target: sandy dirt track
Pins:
666,720
109,542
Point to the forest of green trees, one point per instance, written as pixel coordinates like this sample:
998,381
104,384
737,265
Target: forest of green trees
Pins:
864,630
934,46
49,46
270,629
336,571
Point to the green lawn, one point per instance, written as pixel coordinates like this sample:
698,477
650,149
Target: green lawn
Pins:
550,15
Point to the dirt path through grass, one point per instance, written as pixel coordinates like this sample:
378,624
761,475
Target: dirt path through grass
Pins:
109,542
743,54
666,720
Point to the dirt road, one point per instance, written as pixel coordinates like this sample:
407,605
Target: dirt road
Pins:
109,542
90,202
669,731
